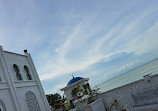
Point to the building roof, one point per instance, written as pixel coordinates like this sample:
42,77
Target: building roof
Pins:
74,79
130,76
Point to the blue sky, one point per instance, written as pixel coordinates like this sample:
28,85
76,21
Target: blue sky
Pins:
90,38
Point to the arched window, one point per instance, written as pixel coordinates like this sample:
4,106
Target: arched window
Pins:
16,69
26,69
2,106
32,102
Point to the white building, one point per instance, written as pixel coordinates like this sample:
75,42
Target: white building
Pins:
74,83
20,87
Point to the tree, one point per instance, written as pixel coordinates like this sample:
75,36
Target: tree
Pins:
77,92
54,100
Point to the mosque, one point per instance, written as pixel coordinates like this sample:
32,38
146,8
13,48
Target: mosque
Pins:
20,87
135,90
75,82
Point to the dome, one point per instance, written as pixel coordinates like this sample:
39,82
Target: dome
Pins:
73,80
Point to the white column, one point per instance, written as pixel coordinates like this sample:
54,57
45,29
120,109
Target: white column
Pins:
9,80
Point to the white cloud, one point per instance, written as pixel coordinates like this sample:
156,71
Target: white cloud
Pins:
89,38
74,41
81,37
145,42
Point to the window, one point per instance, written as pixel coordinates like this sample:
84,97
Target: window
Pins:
26,69
17,71
32,102
2,106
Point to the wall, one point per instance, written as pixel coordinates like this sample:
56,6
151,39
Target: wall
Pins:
141,95
21,97
20,61
69,88
13,91
5,96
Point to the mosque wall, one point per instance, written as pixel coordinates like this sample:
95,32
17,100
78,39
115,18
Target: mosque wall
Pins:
141,95
2,77
22,91
20,61
17,95
7,100
68,91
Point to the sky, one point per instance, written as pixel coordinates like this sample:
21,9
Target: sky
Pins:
96,39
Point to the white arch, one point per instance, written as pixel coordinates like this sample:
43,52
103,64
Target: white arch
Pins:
2,106
32,102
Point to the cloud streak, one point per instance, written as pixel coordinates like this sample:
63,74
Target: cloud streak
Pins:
88,40
82,40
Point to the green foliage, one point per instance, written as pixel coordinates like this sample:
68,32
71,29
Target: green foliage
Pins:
88,91
86,88
71,106
76,91
54,100
63,99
